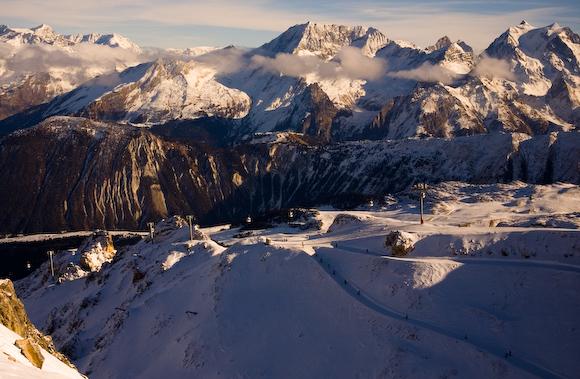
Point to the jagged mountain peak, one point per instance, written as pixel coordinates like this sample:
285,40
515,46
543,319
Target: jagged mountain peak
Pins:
510,38
441,43
41,34
45,34
371,42
528,37
325,40
43,28
445,43
465,46
538,54
117,40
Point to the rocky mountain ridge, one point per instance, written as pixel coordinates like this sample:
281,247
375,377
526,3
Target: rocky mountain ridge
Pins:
84,174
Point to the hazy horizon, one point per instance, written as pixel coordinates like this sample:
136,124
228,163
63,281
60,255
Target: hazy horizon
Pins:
180,24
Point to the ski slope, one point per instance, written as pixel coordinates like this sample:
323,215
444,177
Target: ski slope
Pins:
471,300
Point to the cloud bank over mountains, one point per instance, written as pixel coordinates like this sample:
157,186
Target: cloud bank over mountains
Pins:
84,61
350,63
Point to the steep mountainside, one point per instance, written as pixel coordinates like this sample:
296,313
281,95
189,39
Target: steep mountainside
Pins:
156,92
30,90
72,173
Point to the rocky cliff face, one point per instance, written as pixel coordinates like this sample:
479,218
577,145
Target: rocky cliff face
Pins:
312,115
79,173
14,317
72,173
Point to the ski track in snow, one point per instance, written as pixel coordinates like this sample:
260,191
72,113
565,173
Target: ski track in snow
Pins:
478,261
375,305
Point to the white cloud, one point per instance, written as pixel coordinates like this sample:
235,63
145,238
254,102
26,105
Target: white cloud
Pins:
350,63
427,72
354,64
74,64
493,68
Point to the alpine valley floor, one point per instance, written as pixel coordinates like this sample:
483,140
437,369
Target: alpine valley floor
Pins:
490,290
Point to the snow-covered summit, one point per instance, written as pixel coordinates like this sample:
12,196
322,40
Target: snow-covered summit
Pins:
44,30
45,34
155,92
41,34
441,43
111,40
325,40
538,55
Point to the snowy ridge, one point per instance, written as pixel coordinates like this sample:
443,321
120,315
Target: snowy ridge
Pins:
333,301
155,92
325,40
45,34
538,54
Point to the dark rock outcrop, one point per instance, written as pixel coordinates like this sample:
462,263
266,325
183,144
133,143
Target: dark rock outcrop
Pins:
312,114
31,351
14,317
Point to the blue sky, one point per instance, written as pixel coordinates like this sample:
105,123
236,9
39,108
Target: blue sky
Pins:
183,23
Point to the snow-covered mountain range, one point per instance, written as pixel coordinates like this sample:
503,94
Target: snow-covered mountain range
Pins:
38,64
366,85
45,34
